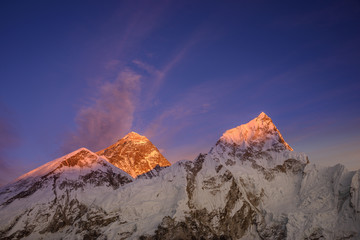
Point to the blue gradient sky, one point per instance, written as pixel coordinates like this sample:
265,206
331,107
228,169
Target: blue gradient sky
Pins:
84,73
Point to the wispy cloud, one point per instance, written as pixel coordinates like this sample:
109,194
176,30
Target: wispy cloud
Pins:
197,100
151,70
140,21
109,117
158,76
110,114
192,108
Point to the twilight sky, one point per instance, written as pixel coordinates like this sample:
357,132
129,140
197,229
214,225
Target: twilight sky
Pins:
85,73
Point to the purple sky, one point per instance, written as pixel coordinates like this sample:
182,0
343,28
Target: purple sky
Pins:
180,73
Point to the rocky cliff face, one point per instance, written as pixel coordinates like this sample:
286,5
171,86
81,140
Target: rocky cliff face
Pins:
134,154
250,185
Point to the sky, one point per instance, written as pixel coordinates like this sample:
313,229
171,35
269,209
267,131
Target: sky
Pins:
85,73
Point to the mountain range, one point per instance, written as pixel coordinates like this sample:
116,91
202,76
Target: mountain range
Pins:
250,185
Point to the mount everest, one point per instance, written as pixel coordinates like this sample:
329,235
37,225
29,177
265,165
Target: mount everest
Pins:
134,154
250,185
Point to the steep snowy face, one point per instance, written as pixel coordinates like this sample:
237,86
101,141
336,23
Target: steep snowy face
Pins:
134,154
260,134
257,142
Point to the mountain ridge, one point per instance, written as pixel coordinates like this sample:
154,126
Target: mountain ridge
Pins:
258,190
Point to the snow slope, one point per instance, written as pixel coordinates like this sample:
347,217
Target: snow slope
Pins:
250,185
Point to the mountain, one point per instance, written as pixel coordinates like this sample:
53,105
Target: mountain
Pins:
259,144
260,134
250,185
57,195
134,154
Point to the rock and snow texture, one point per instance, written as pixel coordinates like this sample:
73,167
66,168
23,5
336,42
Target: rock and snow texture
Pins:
250,185
55,196
260,134
134,154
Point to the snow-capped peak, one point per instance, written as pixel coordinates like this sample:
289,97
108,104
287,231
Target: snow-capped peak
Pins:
134,154
262,115
260,131
79,158
136,138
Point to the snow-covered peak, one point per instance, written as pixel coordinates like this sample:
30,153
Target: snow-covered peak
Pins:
260,131
80,158
134,135
136,138
134,154
262,115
